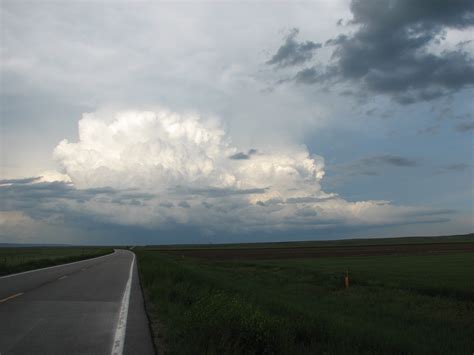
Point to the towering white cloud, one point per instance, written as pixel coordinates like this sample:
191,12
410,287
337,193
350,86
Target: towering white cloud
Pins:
160,150
164,169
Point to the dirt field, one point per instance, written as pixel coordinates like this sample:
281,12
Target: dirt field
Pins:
311,252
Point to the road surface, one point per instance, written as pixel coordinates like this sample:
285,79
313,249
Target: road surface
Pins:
93,306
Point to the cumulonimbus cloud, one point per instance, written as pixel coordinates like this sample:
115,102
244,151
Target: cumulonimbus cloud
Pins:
160,169
159,150
188,164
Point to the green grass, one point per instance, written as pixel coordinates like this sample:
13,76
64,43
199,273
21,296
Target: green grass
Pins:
396,304
13,260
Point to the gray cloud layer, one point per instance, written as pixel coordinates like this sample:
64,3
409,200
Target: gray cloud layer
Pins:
388,53
292,52
465,127
20,181
455,167
373,165
242,155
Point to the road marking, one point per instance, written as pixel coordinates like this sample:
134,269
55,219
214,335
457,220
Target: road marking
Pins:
62,277
52,267
11,297
119,339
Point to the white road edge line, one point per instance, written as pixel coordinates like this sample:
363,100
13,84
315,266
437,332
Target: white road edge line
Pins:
119,339
11,297
52,267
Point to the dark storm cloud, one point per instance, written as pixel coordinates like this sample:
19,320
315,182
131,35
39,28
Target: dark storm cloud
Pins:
166,204
239,156
430,213
206,204
395,160
464,43
20,193
308,76
373,165
293,52
399,13
20,181
314,75
310,199
40,200
306,212
137,195
242,155
454,168
464,127
184,204
32,198
130,198
430,130
388,54
60,203
220,192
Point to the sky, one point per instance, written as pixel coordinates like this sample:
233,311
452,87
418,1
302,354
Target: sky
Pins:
216,122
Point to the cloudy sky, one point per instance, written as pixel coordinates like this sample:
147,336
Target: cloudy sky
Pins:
206,122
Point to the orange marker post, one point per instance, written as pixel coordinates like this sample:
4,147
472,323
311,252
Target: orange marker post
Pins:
346,279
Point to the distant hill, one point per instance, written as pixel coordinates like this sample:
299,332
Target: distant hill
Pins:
461,238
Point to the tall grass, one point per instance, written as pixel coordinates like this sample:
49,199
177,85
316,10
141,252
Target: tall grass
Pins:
301,307
13,260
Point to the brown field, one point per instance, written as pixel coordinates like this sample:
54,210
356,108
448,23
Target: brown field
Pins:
292,252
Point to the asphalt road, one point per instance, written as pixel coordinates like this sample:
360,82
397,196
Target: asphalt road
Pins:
89,307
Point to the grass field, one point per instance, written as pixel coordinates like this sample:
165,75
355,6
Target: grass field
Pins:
14,260
451,239
402,303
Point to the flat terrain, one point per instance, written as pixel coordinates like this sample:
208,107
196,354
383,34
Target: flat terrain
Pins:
462,238
74,309
20,259
403,298
293,252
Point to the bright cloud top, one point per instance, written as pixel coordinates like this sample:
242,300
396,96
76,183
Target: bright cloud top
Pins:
160,150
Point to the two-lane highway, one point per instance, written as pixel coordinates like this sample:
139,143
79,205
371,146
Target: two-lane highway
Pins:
93,306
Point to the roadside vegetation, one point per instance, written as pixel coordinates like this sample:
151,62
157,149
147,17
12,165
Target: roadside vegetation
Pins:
395,304
13,260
